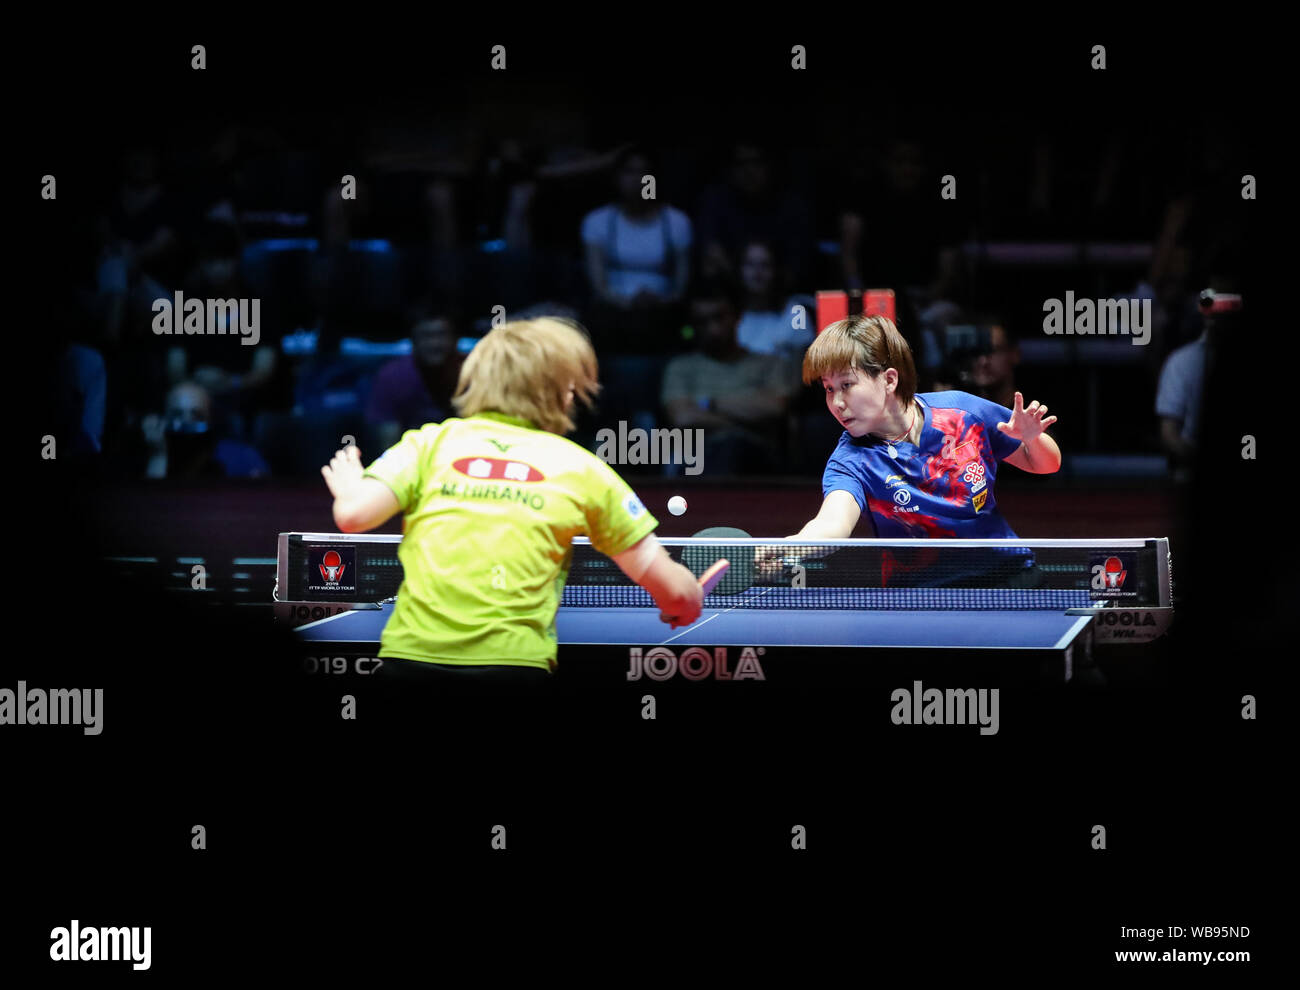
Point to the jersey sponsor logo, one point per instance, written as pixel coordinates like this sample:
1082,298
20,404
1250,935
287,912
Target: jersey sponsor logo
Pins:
497,469
979,500
633,506
902,496
503,447
974,476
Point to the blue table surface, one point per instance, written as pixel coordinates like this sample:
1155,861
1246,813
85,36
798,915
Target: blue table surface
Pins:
928,629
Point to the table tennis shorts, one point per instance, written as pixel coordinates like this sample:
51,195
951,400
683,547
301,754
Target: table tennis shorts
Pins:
471,675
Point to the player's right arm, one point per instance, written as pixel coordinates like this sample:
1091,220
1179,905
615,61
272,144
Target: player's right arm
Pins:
673,587
838,516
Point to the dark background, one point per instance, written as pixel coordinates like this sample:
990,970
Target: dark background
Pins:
338,844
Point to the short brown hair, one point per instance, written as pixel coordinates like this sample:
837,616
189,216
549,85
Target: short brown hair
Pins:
869,344
525,369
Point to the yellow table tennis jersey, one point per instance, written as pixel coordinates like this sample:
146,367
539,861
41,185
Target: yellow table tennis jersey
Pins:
491,505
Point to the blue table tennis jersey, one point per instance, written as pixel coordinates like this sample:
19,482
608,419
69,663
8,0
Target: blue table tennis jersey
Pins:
940,487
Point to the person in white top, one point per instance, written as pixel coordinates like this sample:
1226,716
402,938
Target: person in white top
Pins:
769,322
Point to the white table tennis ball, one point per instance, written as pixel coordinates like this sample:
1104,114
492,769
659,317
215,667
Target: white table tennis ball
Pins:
677,505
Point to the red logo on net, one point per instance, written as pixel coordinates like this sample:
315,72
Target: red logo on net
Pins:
1113,573
497,469
332,567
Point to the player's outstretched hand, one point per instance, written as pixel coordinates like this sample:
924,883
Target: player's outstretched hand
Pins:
683,604
1027,424
770,561
343,473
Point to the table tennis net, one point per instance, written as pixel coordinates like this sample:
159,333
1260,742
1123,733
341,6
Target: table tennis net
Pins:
907,574
863,576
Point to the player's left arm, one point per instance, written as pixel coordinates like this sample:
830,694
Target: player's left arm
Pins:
360,503
1037,453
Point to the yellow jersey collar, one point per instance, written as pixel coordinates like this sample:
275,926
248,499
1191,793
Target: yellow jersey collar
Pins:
503,418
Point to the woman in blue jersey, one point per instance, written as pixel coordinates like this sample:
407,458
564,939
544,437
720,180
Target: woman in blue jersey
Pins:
920,465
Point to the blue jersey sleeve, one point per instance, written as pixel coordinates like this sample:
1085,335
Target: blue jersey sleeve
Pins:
839,476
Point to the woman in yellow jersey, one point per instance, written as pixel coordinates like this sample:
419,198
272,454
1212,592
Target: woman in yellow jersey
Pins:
491,502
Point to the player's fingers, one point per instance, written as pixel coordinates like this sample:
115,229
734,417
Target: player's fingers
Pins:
1020,403
1042,410
1049,421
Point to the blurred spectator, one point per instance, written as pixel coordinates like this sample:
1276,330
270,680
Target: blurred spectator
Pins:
1207,219
73,402
416,388
938,306
242,379
140,254
750,205
182,443
1182,378
893,221
83,395
770,322
740,399
638,254
992,371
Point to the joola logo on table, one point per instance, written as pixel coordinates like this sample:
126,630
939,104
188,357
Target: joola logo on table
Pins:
695,664
497,469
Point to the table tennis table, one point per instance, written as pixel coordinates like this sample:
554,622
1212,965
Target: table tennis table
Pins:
1050,638
1047,629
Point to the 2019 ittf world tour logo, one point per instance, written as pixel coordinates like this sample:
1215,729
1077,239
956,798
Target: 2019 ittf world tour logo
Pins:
332,569
1109,574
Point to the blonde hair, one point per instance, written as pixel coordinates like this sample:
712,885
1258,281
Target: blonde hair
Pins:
526,368
869,344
